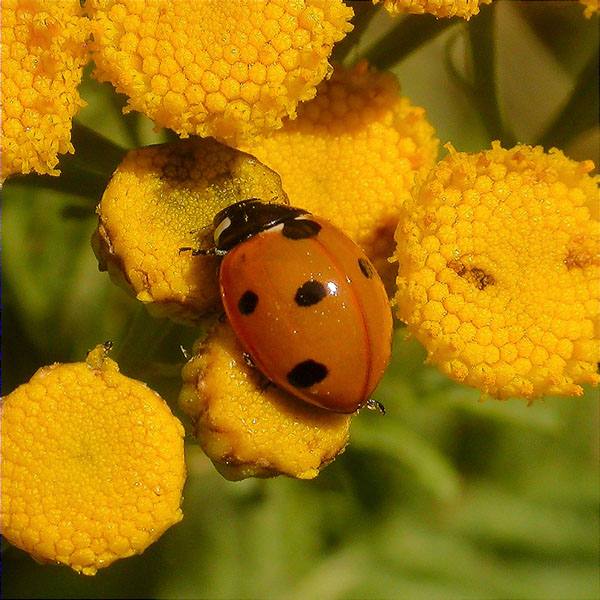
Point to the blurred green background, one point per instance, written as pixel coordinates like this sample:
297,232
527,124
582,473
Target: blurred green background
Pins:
445,496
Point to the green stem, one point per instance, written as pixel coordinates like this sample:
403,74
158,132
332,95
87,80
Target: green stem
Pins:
411,33
580,112
482,38
93,152
85,173
363,14
140,341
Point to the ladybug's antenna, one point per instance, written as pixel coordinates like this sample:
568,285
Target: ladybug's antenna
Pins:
198,251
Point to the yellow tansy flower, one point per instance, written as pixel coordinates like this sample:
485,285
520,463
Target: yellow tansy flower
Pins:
163,198
249,429
352,155
92,465
439,8
215,68
43,54
499,257
591,7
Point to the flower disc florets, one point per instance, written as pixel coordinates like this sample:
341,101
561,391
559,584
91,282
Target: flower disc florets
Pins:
43,54
214,68
499,258
249,428
92,465
352,156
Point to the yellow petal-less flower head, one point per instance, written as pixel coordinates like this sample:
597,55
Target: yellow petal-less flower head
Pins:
249,429
439,8
159,200
43,54
92,465
352,156
591,7
499,270
214,68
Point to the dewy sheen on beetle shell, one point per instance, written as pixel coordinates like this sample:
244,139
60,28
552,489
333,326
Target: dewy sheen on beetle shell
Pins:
305,303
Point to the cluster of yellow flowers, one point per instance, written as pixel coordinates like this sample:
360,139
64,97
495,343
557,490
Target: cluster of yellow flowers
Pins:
224,69
474,239
158,194
228,70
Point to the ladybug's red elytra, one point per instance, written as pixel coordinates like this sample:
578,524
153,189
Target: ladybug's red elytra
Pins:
305,302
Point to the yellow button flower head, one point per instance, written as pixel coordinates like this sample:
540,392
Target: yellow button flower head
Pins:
251,430
92,465
499,257
159,200
440,8
352,155
591,7
215,68
43,53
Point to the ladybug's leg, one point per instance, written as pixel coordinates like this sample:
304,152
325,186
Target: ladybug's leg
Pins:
265,382
199,251
375,405
249,360
205,238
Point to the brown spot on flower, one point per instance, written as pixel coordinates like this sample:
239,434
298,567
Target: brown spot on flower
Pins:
478,277
583,252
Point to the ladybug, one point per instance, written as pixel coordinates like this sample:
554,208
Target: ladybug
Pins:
305,302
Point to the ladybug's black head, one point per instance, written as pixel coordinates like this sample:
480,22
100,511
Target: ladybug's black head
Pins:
242,220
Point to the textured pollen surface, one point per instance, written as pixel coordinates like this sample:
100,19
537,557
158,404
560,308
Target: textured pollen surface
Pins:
43,54
352,155
214,68
499,277
251,430
163,198
92,465
440,8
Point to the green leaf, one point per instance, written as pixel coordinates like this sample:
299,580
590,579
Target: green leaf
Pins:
386,436
50,276
483,48
580,112
85,173
410,34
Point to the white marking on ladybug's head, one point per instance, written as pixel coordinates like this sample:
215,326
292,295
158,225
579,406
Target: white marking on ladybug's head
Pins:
221,227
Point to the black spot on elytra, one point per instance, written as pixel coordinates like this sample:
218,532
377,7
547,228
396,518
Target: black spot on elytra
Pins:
307,373
365,267
309,293
247,302
300,229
